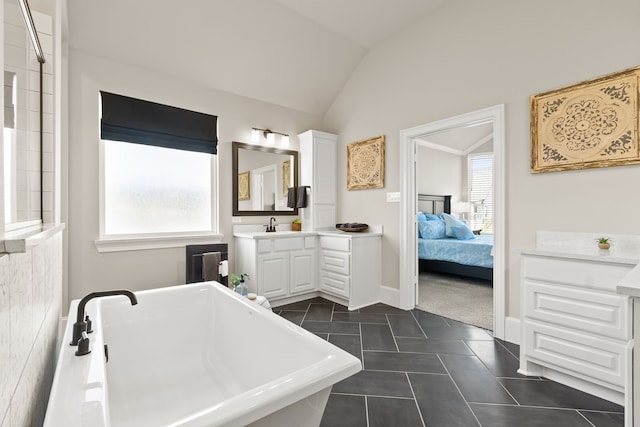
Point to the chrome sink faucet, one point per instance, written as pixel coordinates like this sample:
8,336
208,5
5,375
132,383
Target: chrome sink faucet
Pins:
271,227
82,327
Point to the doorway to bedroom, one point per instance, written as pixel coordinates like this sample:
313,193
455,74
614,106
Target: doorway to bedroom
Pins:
454,182
470,212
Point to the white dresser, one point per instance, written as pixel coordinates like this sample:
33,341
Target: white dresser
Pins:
576,329
630,286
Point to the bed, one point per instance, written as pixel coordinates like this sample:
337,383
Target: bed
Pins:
464,256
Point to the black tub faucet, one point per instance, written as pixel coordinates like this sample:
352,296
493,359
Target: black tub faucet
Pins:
80,328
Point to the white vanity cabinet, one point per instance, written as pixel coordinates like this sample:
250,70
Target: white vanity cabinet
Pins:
575,328
278,266
293,266
350,266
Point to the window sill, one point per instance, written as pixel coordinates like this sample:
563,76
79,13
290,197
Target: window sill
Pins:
136,243
19,241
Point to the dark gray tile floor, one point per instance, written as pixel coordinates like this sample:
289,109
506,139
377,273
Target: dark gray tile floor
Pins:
421,369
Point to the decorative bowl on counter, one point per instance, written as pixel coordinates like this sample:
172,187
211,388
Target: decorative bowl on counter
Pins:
352,227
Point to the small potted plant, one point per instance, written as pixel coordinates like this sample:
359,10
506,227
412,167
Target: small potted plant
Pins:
603,242
296,225
238,283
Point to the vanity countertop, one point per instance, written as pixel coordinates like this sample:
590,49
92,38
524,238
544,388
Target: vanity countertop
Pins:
272,235
257,232
372,231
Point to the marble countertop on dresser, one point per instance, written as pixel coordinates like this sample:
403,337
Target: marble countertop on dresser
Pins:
625,249
585,254
630,284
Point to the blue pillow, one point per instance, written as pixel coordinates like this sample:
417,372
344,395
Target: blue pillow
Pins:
432,229
450,221
421,217
462,232
431,217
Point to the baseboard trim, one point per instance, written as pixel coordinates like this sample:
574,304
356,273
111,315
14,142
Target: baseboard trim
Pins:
512,329
390,296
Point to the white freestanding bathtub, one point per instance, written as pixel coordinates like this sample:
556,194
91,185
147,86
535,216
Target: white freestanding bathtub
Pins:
193,355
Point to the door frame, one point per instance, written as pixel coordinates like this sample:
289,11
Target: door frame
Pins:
408,207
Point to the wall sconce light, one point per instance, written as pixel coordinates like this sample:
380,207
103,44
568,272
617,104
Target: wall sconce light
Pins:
270,135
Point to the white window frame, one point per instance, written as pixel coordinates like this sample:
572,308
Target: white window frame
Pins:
470,187
127,242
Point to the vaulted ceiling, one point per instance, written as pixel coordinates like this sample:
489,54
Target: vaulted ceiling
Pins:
293,53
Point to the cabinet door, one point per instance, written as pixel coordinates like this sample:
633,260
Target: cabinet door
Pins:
324,153
273,275
302,271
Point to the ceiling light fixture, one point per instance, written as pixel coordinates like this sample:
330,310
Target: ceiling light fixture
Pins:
270,135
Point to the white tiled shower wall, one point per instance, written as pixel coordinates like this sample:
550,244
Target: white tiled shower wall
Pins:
28,123
30,305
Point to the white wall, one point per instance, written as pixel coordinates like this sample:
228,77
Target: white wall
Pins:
143,269
471,55
439,172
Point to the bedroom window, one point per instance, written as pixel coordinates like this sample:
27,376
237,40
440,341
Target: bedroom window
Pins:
158,169
480,167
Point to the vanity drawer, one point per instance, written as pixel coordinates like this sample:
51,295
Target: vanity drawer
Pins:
594,312
309,242
572,272
335,243
585,356
280,244
264,246
335,283
338,262
288,244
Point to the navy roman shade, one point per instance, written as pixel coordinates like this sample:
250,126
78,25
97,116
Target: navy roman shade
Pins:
142,122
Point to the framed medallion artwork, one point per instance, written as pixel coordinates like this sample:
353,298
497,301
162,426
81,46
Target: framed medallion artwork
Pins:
244,186
365,164
592,124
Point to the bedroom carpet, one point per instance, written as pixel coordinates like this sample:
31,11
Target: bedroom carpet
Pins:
464,299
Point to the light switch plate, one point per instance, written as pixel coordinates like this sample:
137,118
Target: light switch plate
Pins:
393,197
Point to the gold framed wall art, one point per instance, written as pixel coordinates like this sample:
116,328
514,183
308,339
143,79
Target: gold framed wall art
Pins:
244,186
591,124
286,176
365,164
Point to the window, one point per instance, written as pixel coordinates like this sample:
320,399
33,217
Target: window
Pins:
480,167
158,173
155,190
